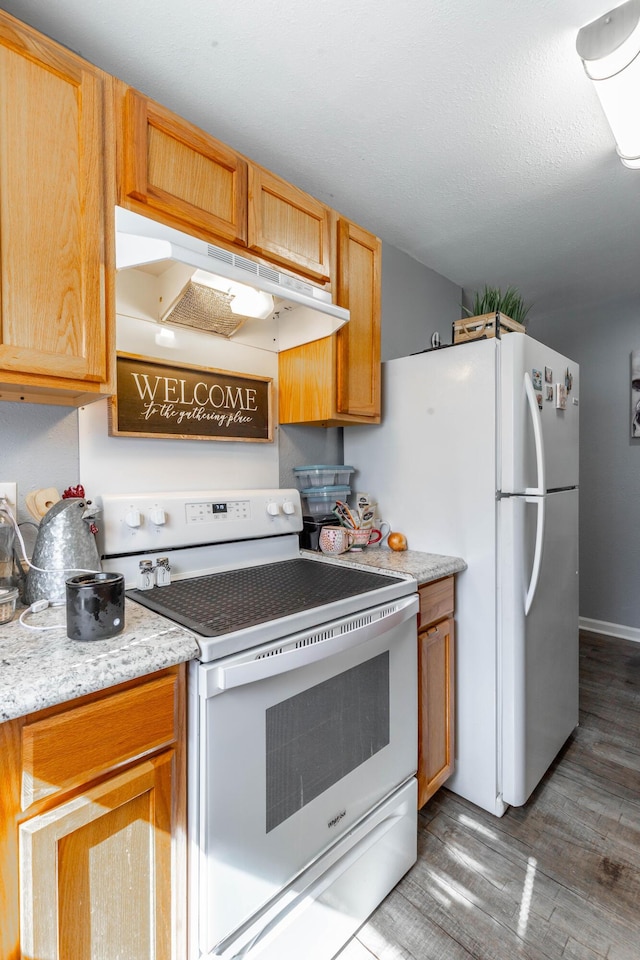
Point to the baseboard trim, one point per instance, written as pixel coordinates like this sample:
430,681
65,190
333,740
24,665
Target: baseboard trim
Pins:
610,629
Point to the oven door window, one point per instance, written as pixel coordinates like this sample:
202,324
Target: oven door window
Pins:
317,737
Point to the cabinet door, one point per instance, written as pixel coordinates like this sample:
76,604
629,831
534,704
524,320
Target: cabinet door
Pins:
288,226
358,342
173,168
53,230
435,708
335,381
95,872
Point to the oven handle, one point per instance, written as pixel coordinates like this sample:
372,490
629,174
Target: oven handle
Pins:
219,678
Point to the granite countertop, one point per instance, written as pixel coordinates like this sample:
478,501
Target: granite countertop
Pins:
42,668
420,566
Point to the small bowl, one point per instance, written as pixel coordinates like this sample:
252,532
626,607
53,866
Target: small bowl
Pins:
8,599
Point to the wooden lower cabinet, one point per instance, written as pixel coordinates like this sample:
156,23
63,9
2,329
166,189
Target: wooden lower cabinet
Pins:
97,871
436,677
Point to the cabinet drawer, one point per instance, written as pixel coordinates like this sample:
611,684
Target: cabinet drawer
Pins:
69,748
436,601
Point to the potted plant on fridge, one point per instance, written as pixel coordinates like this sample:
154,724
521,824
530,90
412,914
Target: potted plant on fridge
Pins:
492,311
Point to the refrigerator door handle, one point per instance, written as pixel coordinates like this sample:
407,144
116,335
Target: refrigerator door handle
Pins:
537,553
536,421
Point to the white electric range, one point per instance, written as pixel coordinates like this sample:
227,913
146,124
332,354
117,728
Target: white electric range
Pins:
302,717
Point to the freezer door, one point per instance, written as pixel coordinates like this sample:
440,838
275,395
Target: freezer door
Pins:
538,650
539,440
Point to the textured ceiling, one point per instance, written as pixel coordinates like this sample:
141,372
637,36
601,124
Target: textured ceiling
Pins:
465,133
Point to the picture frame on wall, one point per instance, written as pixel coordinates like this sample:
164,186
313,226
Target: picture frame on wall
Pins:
180,401
635,394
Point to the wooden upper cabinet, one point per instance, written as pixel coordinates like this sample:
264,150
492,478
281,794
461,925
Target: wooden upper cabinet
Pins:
55,238
359,287
335,381
174,169
288,226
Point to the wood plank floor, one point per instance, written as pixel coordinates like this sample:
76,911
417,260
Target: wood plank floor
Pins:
557,878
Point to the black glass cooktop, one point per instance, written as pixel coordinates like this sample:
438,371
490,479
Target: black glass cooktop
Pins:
234,600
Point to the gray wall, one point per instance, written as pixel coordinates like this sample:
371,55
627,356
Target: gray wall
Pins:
416,302
601,341
39,448
299,446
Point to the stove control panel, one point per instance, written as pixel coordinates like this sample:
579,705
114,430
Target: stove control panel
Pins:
140,522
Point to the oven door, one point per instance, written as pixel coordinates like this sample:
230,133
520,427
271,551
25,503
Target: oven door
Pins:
291,745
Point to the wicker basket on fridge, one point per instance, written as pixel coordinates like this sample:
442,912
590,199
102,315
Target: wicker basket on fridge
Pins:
485,326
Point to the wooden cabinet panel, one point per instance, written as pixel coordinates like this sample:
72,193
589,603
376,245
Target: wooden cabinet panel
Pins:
306,383
71,748
359,288
95,872
436,601
176,170
55,240
435,708
288,226
336,381
106,858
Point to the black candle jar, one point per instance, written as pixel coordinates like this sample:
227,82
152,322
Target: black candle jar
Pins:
95,606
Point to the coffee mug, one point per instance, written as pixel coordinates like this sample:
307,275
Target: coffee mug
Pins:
360,538
335,539
377,534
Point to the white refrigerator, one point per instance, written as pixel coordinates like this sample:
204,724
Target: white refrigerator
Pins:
477,457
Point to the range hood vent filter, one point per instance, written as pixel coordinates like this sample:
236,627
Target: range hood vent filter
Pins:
203,308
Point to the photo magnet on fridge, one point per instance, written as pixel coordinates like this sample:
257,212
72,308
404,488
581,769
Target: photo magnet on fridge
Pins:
536,376
561,396
548,375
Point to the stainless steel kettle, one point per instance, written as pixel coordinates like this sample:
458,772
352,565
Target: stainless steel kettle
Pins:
65,546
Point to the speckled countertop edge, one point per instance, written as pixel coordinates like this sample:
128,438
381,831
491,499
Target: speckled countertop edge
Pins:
41,669
412,564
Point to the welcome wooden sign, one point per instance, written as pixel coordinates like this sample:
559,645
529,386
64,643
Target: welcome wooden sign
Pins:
183,402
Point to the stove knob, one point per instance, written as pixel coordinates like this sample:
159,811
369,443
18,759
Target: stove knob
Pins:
133,518
289,507
157,516
273,509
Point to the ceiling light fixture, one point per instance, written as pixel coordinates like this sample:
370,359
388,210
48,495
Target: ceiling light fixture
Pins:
610,51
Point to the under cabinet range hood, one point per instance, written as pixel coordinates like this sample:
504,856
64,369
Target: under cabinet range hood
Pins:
172,278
